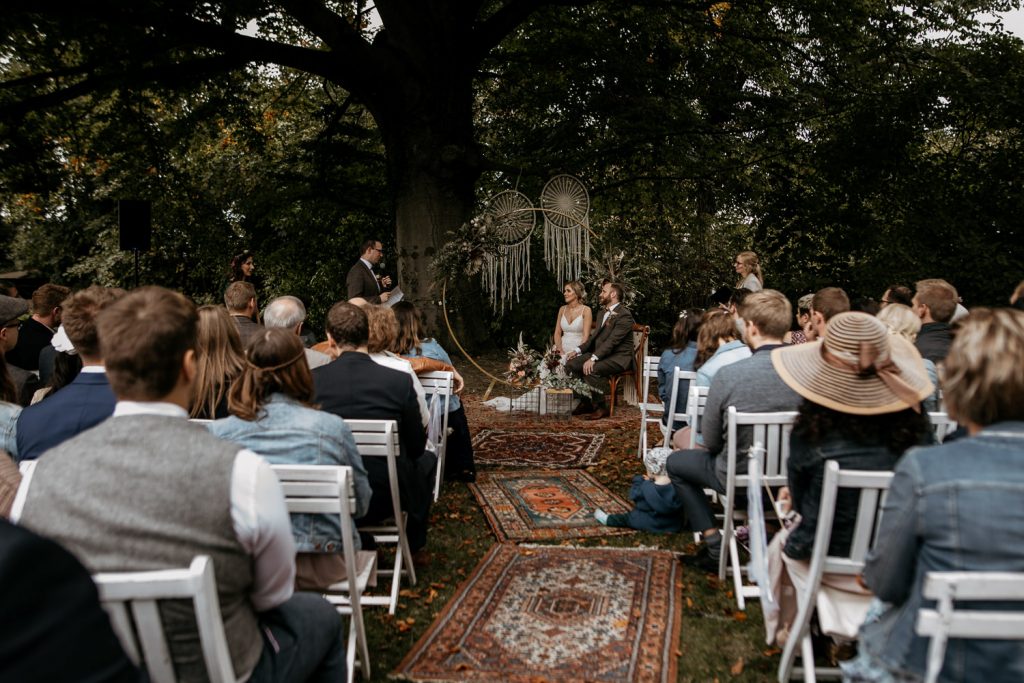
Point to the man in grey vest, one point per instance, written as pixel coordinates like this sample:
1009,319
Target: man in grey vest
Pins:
147,489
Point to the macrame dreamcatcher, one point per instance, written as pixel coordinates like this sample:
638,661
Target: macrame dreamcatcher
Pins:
506,273
566,207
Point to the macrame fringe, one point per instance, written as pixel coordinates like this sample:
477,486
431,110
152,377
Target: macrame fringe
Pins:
506,274
566,249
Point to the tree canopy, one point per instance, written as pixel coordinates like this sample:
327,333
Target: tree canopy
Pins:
847,143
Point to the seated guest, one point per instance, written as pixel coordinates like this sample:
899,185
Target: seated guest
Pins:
16,385
803,321
219,360
682,354
954,507
9,414
353,386
383,334
934,303
718,345
458,462
54,628
240,300
64,365
290,313
36,331
897,294
657,506
860,415
87,400
148,490
752,386
901,321
827,302
272,413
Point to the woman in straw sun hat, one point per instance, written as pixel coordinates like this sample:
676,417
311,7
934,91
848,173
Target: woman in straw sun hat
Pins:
862,390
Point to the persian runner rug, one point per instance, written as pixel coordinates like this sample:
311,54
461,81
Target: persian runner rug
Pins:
554,613
526,448
539,505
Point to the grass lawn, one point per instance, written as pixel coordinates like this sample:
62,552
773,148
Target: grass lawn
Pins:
718,643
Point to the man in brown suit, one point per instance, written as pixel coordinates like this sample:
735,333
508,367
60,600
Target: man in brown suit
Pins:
608,351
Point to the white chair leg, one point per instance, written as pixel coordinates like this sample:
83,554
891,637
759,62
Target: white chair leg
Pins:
737,573
807,654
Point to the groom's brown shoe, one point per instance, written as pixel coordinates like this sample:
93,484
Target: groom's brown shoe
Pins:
598,414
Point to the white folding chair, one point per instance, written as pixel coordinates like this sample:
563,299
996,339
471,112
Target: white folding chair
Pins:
772,430
379,439
674,402
440,384
948,621
650,411
329,490
873,487
943,425
131,600
696,400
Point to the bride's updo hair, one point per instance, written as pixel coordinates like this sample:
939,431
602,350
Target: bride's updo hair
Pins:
577,288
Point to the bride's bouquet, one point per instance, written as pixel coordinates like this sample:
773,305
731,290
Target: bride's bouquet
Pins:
554,376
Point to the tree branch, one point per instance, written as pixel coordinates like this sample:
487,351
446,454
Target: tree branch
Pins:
336,33
99,83
491,31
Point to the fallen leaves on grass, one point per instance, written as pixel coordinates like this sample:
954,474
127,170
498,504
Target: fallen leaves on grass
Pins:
737,668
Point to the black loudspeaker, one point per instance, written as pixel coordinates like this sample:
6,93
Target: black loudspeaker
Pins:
135,219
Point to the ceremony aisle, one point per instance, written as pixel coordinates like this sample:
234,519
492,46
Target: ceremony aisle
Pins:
715,642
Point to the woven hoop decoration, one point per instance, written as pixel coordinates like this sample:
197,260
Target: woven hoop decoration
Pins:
566,207
513,214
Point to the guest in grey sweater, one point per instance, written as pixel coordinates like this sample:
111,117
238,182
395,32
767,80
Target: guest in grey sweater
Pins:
751,385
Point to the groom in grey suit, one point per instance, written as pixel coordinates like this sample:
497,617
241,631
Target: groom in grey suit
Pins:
608,351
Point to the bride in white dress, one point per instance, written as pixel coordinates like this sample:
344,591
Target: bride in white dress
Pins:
572,327
574,319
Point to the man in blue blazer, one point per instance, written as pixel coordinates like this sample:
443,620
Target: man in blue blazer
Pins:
87,400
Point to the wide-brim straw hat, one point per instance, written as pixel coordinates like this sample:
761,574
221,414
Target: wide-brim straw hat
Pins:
859,368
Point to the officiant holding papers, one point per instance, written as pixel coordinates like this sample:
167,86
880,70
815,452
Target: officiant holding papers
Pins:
362,282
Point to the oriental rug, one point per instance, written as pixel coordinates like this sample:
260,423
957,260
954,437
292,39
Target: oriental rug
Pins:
527,448
553,613
540,505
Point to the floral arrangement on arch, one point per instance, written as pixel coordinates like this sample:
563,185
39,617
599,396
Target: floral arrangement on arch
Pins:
529,368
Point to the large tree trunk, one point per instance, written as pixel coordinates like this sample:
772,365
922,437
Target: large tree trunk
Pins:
426,123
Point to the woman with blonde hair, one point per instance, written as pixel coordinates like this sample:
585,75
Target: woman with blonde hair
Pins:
748,267
902,321
383,334
219,360
575,319
273,414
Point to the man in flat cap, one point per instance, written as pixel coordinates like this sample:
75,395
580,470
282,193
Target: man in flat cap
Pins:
16,385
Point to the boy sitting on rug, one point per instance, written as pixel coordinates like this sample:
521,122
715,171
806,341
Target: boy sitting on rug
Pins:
657,505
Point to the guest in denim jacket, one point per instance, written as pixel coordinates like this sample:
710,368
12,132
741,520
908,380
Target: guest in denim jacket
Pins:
955,507
9,413
272,415
682,354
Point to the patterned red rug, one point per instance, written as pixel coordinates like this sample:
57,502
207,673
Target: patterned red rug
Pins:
527,448
557,614
539,505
